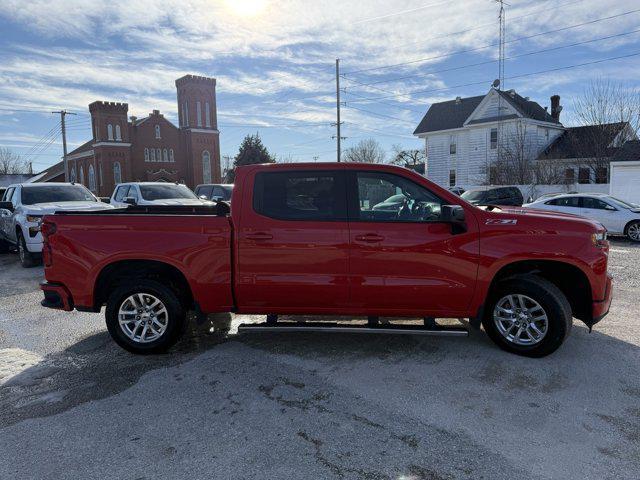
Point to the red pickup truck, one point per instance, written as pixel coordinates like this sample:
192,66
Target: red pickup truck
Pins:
331,239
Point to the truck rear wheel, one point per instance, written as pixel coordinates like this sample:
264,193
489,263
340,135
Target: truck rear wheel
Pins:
528,316
145,317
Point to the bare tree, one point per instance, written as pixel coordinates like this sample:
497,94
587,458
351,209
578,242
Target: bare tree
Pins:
11,162
366,151
516,163
610,115
408,158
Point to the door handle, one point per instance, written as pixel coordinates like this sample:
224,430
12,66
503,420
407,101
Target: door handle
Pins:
260,236
369,238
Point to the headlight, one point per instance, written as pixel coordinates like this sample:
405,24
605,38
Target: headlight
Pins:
599,239
34,218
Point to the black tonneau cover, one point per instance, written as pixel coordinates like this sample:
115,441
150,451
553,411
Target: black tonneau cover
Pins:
218,209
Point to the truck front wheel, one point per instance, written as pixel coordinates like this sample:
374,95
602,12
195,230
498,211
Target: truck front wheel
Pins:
527,315
145,317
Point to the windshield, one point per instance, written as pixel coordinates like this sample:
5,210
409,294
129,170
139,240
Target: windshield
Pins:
166,192
227,191
474,195
395,199
622,203
56,193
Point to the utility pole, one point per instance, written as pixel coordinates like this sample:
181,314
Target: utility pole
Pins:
62,114
338,137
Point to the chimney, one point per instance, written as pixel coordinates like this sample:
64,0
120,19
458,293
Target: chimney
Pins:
458,100
133,119
556,108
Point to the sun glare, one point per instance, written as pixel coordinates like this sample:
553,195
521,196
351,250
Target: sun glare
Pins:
246,8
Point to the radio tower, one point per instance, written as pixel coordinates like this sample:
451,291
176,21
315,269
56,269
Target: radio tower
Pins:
501,53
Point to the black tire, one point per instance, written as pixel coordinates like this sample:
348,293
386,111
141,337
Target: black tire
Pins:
27,259
549,297
176,314
631,230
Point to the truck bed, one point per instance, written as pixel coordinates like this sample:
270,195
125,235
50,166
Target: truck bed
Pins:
196,241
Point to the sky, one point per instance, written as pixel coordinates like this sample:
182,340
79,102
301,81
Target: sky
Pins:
274,61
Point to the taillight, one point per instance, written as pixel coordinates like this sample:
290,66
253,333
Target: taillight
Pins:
48,229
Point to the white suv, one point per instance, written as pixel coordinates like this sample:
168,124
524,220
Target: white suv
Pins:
617,216
154,193
24,205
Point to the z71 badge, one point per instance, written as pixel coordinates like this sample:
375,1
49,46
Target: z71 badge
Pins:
501,221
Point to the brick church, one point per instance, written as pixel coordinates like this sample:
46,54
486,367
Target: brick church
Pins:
149,149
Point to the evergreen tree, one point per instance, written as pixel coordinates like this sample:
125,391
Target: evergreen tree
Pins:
252,151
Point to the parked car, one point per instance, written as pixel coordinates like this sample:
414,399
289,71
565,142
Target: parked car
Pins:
392,203
215,192
617,216
154,193
457,190
304,239
494,196
24,205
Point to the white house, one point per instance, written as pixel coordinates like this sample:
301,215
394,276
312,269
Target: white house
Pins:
462,135
463,138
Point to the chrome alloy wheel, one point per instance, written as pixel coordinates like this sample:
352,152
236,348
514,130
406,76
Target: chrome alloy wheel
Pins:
634,232
143,318
520,320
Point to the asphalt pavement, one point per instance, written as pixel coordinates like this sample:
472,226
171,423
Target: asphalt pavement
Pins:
271,406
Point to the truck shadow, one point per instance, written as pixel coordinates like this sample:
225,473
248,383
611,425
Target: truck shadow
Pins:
94,368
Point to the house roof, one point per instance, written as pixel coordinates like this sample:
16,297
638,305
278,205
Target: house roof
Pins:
454,113
584,142
53,171
448,115
7,179
82,148
528,108
629,152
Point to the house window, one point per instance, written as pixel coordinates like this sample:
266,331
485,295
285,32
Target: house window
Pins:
199,113
117,173
584,175
206,167
453,146
207,113
118,133
110,132
157,131
171,159
92,179
153,155
165,155
494,138
146,154
569,175
602,175
452,177
81,175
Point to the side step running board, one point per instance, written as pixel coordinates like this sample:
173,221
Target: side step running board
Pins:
448,331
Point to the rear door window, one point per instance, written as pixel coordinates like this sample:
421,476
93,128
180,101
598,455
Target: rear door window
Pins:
571,202
204,190
314,195
594,203
121,193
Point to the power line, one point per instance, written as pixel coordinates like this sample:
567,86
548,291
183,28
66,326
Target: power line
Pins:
458,52
486,82
555,6
395,14
379,114
259,125
487,62
379,132
409,109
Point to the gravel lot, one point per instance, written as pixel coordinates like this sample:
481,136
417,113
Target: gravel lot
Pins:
74,405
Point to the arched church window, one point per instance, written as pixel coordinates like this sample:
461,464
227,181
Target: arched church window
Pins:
118,133
206,167
92,179
117,173
157,131
110,132
146,154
